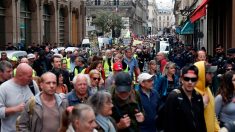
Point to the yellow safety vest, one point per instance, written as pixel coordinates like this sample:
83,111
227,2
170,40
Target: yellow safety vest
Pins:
68,64
14,73
76,71
106,67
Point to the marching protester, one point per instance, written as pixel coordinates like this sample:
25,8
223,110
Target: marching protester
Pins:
43,113
184,109
14,93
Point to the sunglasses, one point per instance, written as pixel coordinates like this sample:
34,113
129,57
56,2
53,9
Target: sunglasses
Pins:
194,79
94,78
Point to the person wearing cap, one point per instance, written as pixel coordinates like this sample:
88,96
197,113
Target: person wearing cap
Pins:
205,75
25,60
127,110
31,57
117,67
184,110
149,99
14,61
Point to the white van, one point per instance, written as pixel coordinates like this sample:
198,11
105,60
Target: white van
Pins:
86,43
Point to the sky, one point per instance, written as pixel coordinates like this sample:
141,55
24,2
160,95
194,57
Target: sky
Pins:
164,4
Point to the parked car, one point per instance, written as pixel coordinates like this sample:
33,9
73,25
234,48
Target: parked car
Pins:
15,53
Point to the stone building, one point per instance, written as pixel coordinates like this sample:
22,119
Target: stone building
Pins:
215,23
133,12
152,19
57,22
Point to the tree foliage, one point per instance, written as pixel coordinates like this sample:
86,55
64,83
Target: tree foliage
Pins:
108,22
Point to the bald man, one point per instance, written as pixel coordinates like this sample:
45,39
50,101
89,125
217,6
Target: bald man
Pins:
13,95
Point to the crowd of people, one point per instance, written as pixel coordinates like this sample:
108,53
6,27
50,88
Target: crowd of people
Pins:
124,89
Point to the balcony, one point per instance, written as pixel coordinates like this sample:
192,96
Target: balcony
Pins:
105,4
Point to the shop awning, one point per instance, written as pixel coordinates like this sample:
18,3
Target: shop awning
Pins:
199,12
188,28
178,30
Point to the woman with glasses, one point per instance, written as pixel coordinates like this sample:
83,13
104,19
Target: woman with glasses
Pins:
225,100
96,83
102,104
168,81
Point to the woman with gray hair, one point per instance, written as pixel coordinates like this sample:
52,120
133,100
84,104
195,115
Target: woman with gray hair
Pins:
102,104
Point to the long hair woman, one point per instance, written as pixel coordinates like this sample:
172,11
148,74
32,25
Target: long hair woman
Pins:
225,100
168,81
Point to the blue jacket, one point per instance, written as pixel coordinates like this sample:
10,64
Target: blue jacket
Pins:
162,85
149,105
73,98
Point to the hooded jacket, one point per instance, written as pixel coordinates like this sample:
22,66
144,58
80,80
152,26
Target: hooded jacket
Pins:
212,124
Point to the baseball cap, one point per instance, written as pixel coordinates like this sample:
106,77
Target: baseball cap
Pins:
117,66
30,56
123,82
143,77
211,69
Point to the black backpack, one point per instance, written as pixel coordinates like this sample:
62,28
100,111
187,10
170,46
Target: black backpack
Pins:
31,86
161,111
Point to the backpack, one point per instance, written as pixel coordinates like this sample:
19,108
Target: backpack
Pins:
31,87
161,110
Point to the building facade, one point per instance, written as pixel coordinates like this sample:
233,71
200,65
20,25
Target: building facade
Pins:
214,24
152,17
164,19
133,12
57,22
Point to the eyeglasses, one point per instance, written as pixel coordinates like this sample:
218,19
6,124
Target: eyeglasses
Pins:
229,69
94,78
194,79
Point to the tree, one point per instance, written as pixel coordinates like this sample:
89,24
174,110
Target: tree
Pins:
108,22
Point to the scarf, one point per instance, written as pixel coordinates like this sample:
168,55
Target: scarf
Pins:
105,123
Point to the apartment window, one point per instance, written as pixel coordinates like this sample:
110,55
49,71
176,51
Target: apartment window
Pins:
61,26
97,2
167,18
25,22
159,18
116,2
46,22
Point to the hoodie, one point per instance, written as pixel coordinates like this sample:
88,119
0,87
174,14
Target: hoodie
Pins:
212,124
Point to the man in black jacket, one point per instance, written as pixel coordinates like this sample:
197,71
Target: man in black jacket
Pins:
184,109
